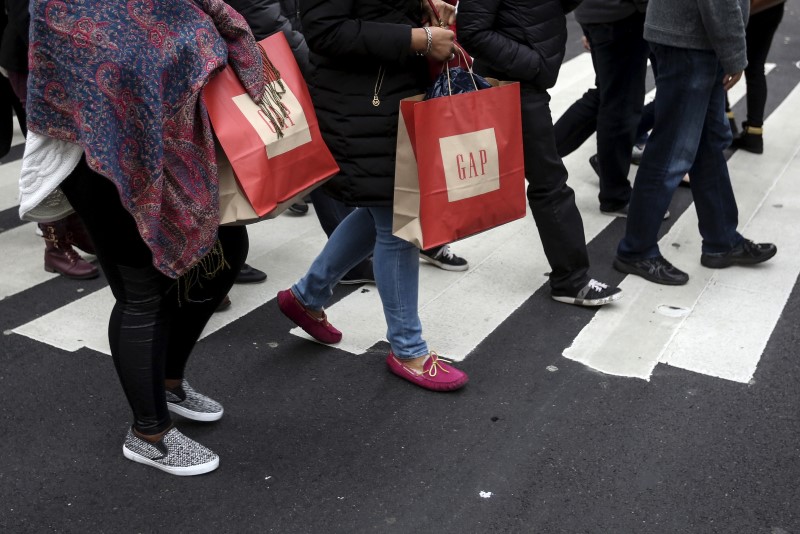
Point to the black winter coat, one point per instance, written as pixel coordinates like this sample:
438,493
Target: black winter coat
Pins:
519,40
356,47
266,17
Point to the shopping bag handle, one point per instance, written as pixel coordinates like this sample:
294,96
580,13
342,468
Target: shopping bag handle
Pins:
469,69
460,50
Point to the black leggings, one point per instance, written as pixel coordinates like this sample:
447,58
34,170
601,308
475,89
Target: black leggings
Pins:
760,31
152,328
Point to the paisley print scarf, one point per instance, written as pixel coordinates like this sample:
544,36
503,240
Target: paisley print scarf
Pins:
122,79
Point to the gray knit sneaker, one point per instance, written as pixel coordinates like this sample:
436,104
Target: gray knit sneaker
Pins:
192,405
174,453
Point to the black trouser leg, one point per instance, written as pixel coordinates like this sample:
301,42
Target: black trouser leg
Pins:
552,200
760,30
619,54
148,328
6,116
577,124
191,317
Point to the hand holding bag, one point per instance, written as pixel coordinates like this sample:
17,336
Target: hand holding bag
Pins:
460,59
277,153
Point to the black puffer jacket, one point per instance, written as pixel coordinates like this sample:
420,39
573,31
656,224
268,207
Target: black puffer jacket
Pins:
520,40
266,17
356,47
603,11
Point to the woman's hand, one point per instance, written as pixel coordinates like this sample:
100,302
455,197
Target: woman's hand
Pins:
442,42
447,13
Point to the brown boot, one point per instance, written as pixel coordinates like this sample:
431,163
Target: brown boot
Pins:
77,235
60,257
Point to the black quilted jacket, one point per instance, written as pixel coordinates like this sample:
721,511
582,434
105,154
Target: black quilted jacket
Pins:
266,17
351,42
521,40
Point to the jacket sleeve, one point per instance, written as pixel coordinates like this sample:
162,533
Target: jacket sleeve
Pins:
18,12
476,32
265,18
330,31
724,22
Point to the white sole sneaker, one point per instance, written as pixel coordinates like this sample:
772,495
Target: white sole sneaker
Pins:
444,266
189,403
588,302
592,294
200,469
175,454
195,416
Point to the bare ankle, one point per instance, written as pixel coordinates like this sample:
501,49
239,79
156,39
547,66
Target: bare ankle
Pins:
417,364
172,383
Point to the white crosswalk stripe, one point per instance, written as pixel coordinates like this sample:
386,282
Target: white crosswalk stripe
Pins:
730,313
507,265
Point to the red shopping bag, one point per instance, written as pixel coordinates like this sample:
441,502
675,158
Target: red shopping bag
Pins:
460,166
271,167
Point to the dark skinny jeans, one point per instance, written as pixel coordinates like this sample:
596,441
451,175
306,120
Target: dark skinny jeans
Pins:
152,328
760,31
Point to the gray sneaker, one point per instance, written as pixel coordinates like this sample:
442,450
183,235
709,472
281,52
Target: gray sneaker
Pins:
192,405
174,453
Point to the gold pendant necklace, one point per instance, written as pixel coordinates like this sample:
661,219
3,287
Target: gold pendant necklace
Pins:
378,84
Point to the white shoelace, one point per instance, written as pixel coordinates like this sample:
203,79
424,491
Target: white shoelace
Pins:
597,286
445,252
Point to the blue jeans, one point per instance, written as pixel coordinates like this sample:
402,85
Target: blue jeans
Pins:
396,263
689,136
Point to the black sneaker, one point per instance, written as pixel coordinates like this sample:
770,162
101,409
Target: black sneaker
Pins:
592,294
299,208
745,253
360,274
250,275
623,212
174,453
657,270
443,258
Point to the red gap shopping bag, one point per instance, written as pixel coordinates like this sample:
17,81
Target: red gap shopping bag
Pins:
460,166
270,169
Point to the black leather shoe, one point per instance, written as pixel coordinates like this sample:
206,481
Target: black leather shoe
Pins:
751,139
745,253
595,165
657,270
250,275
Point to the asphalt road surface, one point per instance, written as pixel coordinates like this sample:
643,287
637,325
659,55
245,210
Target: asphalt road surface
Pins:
674,410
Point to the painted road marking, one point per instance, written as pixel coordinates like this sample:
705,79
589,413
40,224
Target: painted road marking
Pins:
731,312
